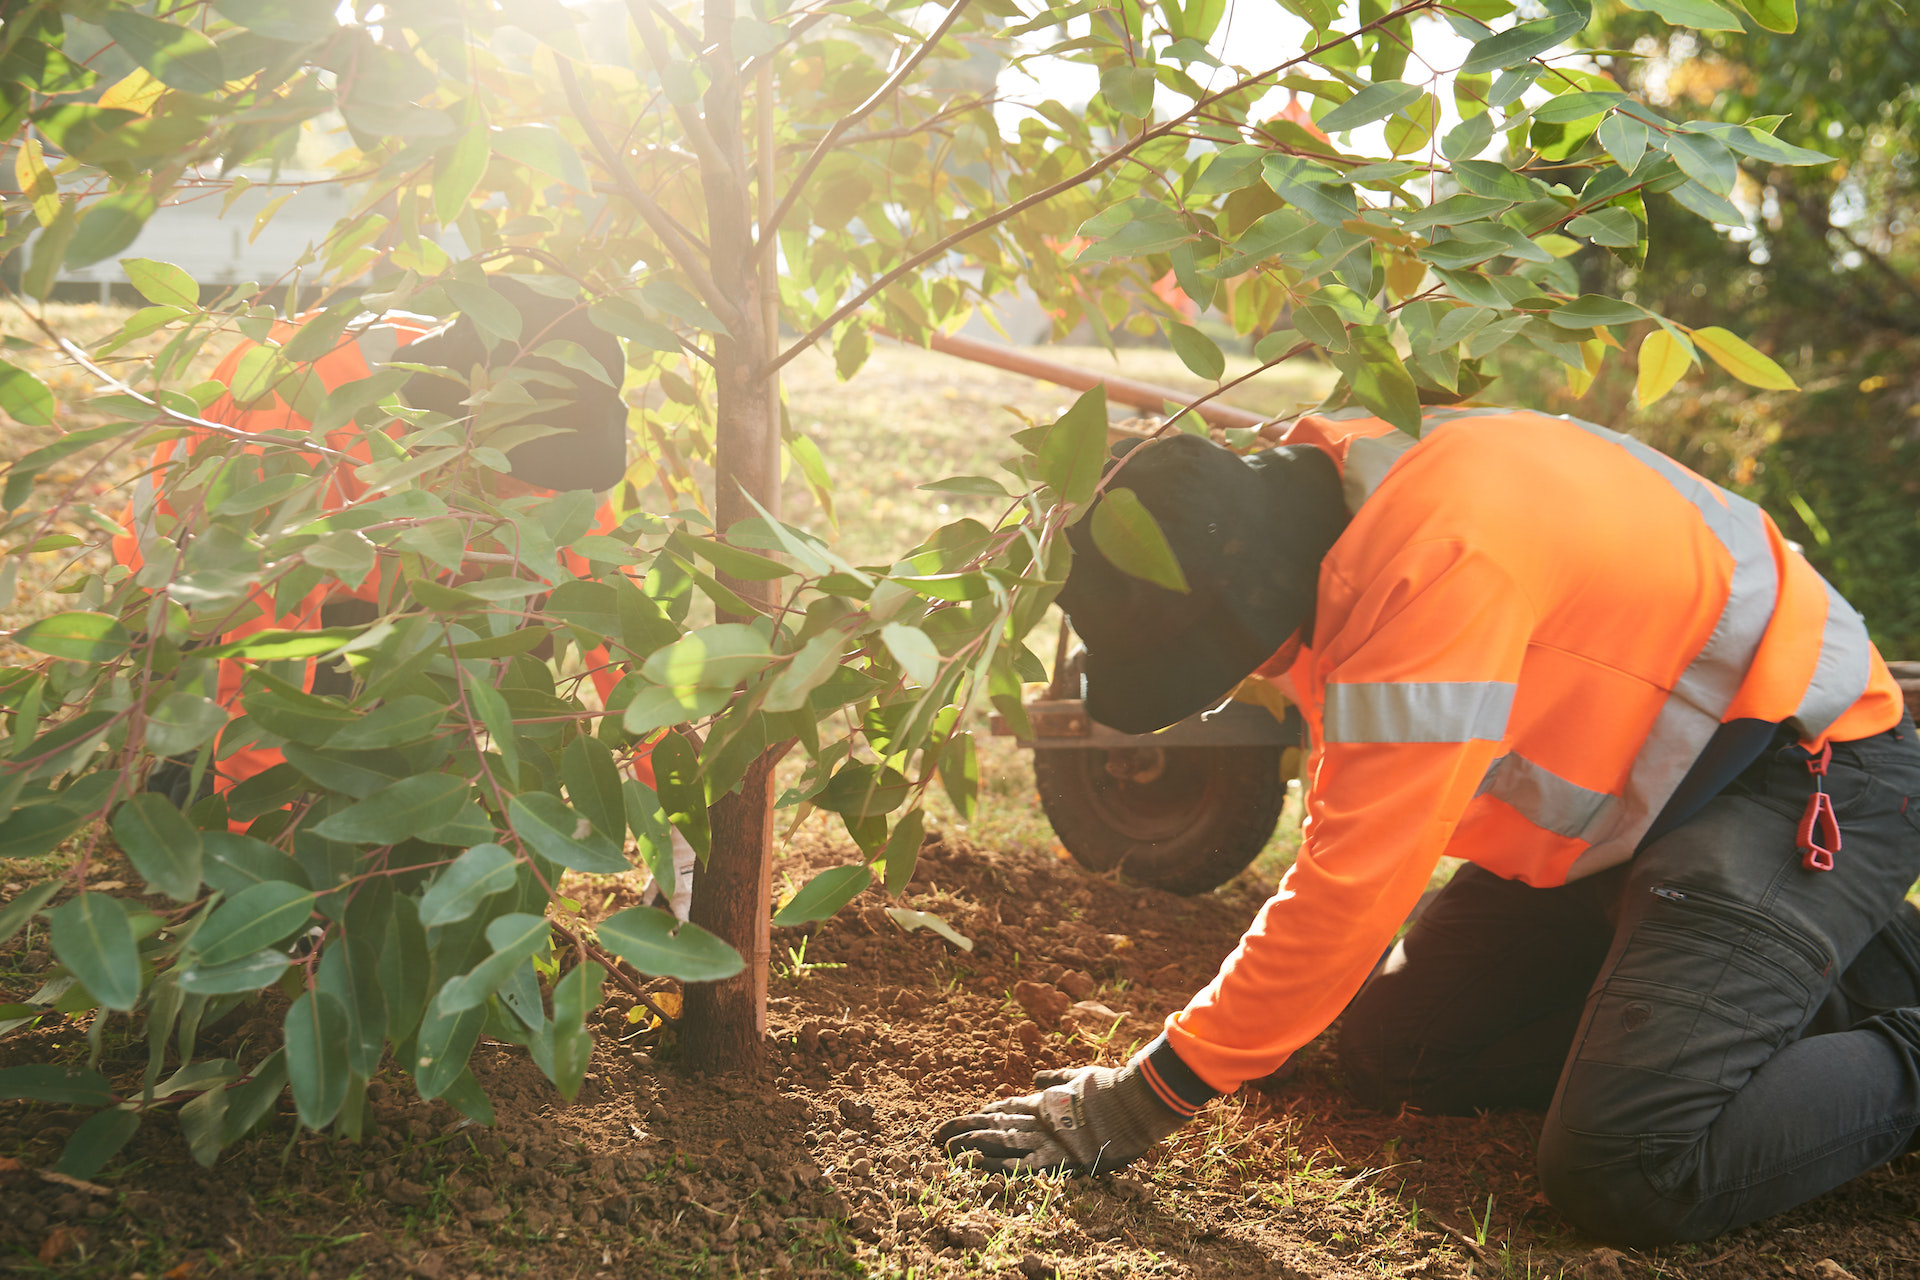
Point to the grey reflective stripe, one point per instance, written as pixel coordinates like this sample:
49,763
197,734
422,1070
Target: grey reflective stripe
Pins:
1700,697
1423,711
1543,797
378,343
1842,673
1369,458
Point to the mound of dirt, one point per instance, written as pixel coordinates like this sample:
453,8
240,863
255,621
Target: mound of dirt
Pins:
817,1162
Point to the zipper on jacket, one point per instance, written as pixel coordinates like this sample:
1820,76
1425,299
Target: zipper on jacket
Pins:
1716,904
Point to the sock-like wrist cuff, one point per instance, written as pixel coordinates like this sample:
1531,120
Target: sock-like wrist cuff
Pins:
1173,1082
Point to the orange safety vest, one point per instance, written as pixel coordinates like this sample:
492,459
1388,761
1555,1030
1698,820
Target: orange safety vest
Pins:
149,518
1523,640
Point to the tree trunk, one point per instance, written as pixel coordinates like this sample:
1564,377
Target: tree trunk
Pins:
726,1022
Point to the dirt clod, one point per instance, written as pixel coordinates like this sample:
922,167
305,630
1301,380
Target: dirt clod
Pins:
1044,1002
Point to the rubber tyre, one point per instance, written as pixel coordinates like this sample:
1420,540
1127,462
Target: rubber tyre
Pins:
1189,827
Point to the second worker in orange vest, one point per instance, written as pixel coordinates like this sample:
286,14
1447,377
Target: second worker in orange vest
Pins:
1677,769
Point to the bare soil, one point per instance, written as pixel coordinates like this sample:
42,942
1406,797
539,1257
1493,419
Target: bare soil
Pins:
817,1161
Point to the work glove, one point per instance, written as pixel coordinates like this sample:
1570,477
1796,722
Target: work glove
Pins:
1083,1120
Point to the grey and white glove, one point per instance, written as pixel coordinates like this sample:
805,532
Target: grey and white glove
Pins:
1083,1120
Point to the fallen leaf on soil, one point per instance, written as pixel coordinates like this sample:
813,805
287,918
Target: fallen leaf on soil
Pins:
58,1241
1831,1270
180,1271
1094,1009
1043,1003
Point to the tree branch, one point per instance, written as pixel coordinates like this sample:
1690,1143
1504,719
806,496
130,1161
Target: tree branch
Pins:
690,122
1066,184
656,218
859,113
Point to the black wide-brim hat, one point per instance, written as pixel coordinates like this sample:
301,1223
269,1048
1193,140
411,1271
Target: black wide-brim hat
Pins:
1249,534
588,449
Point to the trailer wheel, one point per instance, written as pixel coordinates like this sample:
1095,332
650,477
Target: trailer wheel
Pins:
1184,819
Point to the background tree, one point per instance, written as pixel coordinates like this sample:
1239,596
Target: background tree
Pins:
1819,263
733,176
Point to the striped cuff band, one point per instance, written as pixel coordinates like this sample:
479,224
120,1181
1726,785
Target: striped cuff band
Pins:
1173,1081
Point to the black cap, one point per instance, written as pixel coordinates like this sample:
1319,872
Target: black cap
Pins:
1249,534
590,449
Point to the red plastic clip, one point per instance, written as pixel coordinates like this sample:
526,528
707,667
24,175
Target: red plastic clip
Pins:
1819,834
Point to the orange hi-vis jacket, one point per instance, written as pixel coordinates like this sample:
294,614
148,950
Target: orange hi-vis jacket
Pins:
365,348
1522,641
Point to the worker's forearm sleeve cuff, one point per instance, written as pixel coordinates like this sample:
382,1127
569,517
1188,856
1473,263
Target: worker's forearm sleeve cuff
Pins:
1173,1081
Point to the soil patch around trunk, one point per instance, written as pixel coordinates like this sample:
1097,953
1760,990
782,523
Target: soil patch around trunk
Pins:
817,1161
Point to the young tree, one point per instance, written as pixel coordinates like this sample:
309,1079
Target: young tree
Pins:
703,180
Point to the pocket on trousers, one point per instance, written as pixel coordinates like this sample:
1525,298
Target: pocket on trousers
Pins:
1648,1027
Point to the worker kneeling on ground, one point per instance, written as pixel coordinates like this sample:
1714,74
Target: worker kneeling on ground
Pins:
1678,772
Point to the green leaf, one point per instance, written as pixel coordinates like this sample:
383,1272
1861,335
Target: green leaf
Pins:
593,785
1375,102
251,920
47,1082
1733,354
808,670
78,636
1614,228
1625,138
109,226
863,790
960,775
1197,351
514,937
543,148
495,316
1074,448
444,1045
203,1122
37,830
914,650
93,938
469,880
1705,159
1129,536
23,397
1774,15
968,486
1768,149
563,835
683,796
1592,310
457,170
316,1040
1516,45
745,565
903,850
665,295
399,811
715,657
622,318
176,54
162,283
1129,89
653,942
1382,383
97,1140
1701,15
233,863
162,845
1571,107
405,719
248,973
15,914
574,996
182,722
823,895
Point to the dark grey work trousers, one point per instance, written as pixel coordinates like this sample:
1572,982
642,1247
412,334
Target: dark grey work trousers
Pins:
1716,1032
